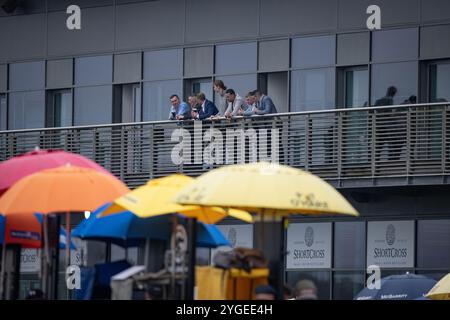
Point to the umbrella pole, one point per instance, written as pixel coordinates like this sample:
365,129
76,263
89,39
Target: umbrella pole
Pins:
146,255
46,257
67,239
2,276
172,271
192,237
282,259
67,246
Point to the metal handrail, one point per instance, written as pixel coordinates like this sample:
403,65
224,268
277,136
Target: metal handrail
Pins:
402,141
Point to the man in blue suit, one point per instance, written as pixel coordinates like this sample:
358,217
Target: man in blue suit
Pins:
264,104
206,108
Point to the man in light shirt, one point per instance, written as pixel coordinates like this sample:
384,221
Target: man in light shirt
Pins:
179,110
235,104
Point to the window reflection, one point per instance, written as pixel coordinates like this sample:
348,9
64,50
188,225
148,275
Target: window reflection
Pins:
440,82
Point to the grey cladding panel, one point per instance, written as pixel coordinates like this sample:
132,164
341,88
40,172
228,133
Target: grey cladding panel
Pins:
218,19
301,16
56,5
96,32
3,77
352,13
128,67
198,62
273,55
434,42
435,10
5,35
59,73
353,48
28,38
150,24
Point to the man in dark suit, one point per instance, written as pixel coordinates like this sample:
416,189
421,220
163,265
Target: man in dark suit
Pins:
205,108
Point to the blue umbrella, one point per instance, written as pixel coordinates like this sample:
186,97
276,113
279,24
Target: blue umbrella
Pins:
127,229
62,233
399,287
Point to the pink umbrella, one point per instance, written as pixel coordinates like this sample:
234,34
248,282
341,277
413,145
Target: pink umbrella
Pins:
14,169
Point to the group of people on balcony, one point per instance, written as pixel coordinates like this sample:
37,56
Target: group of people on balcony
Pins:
229,104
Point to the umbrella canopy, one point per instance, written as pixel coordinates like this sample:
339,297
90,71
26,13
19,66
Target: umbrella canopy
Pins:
16,168
28,235
265,188
127,229
441,291
63,189
154,198
399,287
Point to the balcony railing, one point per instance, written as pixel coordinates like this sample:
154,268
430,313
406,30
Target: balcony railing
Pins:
405,144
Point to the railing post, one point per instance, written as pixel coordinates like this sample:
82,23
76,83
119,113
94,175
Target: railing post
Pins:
307,142
408,150
151,150
339,144
374,142
444,138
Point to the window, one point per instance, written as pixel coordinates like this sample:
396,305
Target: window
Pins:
93,105
349,245
127,103
236,58
346,285
439,81
3,113
403,76
321,280
194,86
313,52
395,45
356,87
27,76
26,110
93,70
433,244
274,84
163,64
312,89
59,108
156,98
241,84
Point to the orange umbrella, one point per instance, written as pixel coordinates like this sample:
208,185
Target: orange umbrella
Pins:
60,190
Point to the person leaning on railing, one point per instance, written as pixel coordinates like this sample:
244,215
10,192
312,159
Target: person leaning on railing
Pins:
179,110
205,108
219,89
264,104
235,104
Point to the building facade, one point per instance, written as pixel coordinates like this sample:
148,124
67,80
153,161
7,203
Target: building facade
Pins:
311,57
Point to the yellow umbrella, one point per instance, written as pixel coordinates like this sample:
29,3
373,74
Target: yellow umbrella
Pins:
154,198
441,290
265,188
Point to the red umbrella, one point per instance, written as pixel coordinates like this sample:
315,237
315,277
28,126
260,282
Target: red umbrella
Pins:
16,168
